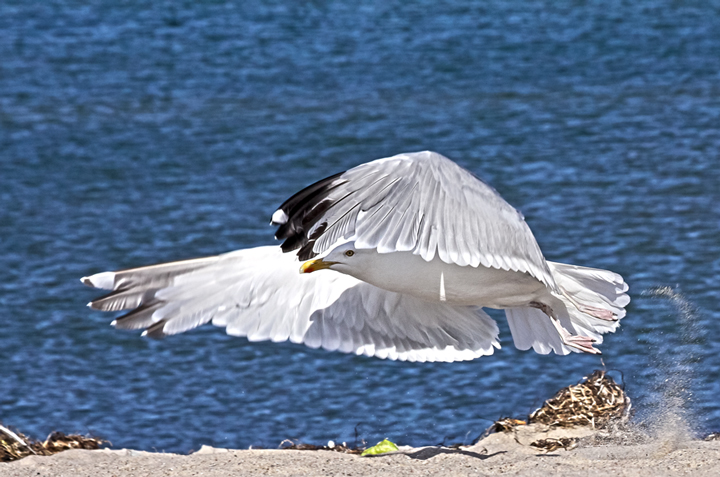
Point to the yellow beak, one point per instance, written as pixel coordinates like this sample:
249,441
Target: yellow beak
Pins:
315,265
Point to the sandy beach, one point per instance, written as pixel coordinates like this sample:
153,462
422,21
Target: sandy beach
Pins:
584,428
505,453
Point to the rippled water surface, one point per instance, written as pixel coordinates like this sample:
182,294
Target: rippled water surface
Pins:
132,135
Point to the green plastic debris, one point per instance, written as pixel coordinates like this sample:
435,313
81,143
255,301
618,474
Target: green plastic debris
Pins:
381,448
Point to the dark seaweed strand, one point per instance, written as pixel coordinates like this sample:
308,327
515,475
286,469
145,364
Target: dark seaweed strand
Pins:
303,210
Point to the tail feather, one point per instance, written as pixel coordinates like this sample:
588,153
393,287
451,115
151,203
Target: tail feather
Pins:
592,287
595,299
590,302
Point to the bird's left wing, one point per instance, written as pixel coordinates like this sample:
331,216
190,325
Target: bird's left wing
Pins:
258,293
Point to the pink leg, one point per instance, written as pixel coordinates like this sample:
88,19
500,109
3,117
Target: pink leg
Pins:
599,313
579,342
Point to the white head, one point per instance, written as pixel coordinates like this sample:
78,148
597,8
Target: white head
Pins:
401,272
344,258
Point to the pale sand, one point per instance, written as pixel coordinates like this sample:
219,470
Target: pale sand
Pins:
497,454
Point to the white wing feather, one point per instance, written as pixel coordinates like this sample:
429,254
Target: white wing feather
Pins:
258,293
420,202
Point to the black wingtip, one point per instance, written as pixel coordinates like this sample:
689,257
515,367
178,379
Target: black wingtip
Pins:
156,331
140,317
301,211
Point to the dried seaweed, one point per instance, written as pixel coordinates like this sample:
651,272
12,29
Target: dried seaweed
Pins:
287,444
594,402
551,444
506,424
15,446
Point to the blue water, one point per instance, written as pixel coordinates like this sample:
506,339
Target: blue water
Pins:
132,135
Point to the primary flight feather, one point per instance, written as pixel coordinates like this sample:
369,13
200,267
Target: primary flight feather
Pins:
397,257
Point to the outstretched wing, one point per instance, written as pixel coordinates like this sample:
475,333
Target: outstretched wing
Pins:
258,293
420,202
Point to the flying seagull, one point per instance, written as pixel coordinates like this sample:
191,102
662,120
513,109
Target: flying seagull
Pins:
396,259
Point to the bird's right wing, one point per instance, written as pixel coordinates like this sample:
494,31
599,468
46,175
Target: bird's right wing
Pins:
418,202
260,294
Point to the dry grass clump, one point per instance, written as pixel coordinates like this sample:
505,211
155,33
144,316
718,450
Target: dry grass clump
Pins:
505,424
15,446
553,444
594,402
597,402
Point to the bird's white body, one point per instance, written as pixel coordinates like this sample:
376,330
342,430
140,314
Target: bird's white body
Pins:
437,281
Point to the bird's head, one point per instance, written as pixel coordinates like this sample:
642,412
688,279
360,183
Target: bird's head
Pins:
344,258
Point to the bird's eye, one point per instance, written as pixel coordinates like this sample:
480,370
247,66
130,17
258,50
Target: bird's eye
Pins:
349,253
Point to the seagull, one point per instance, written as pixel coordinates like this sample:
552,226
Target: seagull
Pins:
395,258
